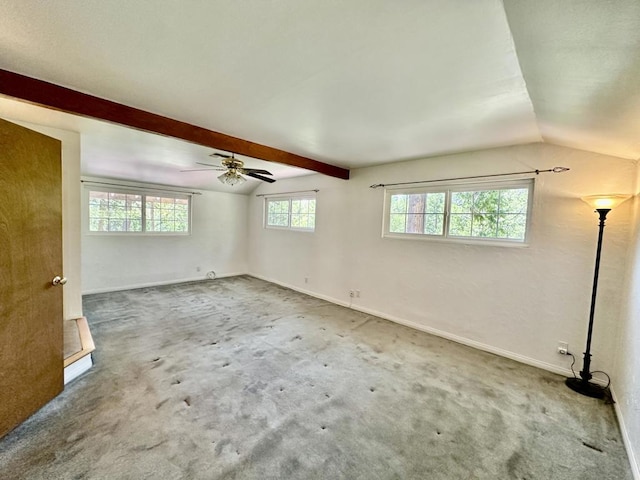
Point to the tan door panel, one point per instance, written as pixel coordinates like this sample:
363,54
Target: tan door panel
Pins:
31,340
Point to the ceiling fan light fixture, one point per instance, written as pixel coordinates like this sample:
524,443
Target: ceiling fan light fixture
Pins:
231,178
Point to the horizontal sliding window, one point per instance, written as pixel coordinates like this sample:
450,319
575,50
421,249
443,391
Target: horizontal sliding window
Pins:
138,212
496,212
166,214
421,213
293,213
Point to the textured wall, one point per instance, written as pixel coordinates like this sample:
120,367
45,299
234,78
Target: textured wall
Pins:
217,242
625,380
515,301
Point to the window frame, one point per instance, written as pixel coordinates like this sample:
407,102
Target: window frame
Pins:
448,189
143,193
289,199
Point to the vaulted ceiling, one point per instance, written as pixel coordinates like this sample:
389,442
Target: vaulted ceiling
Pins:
351,83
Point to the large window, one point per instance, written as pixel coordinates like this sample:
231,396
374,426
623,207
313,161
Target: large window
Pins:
136,212
294,213
497,212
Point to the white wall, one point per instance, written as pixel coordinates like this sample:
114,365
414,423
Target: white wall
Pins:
626,379
514,301
72,292
218,242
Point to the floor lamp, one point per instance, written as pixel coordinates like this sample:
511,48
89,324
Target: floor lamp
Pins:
602,204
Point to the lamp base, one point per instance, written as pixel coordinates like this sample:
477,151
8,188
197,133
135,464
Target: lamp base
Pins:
585,388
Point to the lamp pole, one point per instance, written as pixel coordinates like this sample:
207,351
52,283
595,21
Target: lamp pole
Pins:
583,385
602,204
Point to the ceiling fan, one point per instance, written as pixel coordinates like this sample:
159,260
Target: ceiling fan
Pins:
233,170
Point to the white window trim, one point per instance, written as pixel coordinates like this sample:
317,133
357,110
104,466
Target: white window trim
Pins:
143,192
448,188
289,198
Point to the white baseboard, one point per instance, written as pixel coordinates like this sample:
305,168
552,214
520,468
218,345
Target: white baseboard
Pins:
566,372
635,470
77,368
157,284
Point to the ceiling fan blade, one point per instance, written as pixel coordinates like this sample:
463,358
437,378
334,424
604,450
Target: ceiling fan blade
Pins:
210,169
256,170
260,177
217,167
203,170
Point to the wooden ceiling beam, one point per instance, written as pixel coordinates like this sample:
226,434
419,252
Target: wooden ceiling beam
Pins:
55,97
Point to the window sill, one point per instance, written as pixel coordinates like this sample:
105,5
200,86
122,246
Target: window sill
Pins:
458,240
138,234
289,229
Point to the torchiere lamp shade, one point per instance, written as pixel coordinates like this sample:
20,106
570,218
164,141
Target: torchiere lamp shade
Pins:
605,202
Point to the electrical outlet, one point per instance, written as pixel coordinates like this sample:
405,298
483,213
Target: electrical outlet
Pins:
563,348
352,293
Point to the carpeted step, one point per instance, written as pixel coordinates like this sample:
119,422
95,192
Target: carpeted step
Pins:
78,345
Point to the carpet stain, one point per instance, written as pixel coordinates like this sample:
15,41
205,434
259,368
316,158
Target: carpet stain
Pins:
513,464
157,363
418,388
149,447
221,444
592,447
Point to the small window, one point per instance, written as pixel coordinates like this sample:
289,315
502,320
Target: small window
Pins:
167,214
115,212
136,212
421,213
496,212
294,213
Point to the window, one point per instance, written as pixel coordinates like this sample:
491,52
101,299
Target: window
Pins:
421,213
166,214
294,213
135,212
495,212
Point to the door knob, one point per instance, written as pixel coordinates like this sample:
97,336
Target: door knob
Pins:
58,280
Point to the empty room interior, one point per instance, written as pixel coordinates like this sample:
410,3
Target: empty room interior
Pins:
320,240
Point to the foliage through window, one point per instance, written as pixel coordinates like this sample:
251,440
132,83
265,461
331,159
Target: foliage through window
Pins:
498,212
133,212
295,213
166,214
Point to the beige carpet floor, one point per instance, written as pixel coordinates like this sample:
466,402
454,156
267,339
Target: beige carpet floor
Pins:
240,379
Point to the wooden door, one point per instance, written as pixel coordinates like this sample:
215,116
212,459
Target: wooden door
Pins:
31,341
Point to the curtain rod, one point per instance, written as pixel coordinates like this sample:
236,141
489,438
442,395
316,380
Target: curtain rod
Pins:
133,187
285,193
537,172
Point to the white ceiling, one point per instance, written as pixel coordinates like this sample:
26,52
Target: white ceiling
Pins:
351,83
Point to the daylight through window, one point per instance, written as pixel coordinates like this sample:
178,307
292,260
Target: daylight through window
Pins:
134,212
294,213
498,212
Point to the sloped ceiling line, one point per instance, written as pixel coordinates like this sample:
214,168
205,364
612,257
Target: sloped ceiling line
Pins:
524,80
